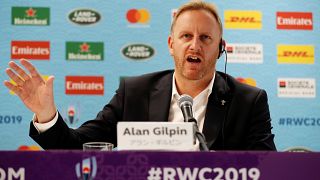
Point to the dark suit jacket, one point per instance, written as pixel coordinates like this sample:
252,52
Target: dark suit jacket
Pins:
242,123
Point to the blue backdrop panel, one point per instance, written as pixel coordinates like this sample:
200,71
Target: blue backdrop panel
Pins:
295,118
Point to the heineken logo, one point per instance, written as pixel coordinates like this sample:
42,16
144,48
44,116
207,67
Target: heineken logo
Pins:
84,16
84,50
37,16
138,51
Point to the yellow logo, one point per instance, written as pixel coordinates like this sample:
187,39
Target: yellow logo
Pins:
242,19
248,81
45,77
295,54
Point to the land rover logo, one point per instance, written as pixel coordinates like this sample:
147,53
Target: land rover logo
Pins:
298,149
138,51
84,16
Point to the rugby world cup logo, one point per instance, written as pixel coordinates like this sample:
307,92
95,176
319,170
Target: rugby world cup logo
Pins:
87,170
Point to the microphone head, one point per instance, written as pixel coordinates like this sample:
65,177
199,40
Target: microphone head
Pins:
185,99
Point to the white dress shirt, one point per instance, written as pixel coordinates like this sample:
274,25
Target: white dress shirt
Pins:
199,106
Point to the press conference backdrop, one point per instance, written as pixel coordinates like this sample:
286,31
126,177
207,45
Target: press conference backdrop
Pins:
90,45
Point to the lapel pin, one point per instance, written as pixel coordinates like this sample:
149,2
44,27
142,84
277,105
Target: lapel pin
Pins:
223,102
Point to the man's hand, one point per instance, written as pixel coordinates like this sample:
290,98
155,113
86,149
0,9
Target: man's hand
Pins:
32,89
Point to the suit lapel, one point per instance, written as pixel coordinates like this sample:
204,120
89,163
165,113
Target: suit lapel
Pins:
160,99
216,110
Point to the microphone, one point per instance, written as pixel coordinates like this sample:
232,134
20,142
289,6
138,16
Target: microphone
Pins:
185,103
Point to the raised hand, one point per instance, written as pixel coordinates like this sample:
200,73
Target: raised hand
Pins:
32,89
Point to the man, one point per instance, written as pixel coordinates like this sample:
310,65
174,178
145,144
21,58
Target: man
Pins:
232,116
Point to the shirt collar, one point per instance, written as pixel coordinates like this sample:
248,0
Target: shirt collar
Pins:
176,95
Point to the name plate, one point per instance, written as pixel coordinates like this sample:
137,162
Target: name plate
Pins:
155,136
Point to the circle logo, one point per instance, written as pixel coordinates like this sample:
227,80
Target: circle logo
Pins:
138,16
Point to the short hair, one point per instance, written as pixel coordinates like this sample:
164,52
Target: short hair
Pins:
197,5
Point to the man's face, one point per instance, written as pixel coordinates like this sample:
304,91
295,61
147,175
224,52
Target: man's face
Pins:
194,44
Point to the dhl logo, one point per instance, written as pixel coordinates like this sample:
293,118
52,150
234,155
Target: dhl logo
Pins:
243,19
295,54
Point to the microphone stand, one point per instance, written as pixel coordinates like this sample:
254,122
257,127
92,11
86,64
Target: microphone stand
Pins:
199,135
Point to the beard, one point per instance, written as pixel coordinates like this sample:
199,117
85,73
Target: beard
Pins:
188,71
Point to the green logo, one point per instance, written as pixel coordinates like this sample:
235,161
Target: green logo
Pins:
84,16
138,51
36,16
84,50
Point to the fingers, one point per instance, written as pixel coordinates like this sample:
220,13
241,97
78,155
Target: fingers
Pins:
33,71
14,77
12,87
20,76
50,82
19,70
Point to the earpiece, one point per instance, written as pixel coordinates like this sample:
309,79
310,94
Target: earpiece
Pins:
222,46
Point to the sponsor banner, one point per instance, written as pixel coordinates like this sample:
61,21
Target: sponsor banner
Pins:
297,87
299,121
245,53
138,17
238,19
138,51
84,16
295,54
248,81
84,85
84,50
295,20
37,16
31,50
155,165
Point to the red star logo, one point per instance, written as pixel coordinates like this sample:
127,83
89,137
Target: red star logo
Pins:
84,47
31,12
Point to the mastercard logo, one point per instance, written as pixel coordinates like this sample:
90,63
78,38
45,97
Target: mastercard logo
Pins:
138,16
29,148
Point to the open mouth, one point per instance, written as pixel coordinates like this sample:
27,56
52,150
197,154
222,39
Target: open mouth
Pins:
193,59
